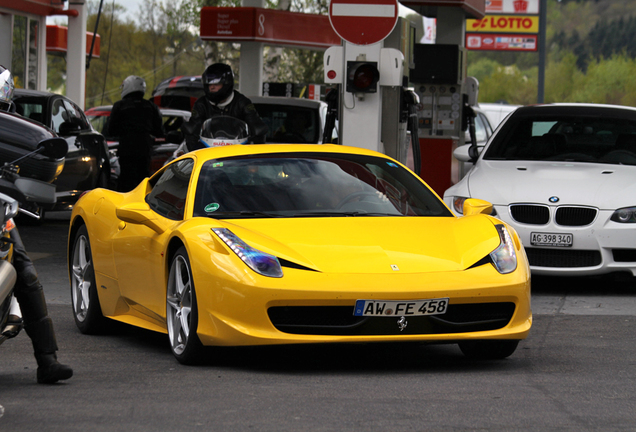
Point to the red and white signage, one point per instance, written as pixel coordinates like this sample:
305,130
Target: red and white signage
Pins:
363,22
57,40
530,7
501,42
270,26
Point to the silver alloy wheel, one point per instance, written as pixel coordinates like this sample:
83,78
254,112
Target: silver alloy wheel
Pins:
81,278
179,304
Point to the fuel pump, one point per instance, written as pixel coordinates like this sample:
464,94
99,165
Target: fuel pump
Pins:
438,77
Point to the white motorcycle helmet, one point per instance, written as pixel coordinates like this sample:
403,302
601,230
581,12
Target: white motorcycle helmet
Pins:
222,131
6,88
133,84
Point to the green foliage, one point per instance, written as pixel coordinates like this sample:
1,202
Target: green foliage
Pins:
162,42
562,78
609,81
509,84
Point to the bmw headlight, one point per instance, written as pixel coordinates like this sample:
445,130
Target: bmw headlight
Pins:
624,215
261,262
504,258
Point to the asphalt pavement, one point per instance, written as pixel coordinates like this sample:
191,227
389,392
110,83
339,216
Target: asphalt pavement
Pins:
575,372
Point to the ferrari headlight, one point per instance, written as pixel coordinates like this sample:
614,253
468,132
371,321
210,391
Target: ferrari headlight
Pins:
261,262
624,215
504,257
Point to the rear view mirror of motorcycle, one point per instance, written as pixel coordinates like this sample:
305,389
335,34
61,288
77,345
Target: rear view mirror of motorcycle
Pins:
55,148
8,208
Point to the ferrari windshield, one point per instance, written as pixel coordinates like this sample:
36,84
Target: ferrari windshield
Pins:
311,185
597,138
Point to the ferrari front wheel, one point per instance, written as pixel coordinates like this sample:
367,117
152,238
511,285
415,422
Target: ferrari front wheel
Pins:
181,311
488,349
86,308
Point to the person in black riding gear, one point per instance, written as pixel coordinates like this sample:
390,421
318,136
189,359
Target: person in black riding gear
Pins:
137,122
28,289
221,99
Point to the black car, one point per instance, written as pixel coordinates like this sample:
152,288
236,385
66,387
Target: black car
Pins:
87,163
19,137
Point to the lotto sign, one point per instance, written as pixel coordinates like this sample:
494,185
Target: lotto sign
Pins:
504,24
363,22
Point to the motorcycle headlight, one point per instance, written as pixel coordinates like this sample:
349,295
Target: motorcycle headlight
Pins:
504,258
624,215
261,262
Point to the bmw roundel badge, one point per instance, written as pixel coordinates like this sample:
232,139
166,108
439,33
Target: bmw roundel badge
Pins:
553,199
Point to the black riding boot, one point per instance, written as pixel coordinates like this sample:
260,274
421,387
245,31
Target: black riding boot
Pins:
39,327
44,346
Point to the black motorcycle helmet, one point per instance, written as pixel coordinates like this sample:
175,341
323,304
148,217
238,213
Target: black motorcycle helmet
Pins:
218,73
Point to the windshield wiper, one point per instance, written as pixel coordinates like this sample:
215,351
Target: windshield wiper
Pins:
346,214
243,213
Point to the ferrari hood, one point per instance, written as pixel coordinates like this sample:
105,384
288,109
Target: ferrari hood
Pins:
599,185
372,244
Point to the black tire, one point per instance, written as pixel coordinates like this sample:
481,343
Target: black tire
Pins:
488,349
182,317
87,311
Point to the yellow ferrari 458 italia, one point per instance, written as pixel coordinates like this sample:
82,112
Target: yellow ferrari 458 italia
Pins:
289,244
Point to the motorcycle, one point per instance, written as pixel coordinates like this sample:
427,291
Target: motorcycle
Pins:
216,132
20,194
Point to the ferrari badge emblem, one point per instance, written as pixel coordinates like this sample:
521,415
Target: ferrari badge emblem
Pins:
402,323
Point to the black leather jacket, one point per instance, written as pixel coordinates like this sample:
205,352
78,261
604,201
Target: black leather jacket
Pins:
240,107
136,121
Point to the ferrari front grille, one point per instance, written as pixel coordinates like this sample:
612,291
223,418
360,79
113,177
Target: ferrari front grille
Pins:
530,214
563,258
575,216
339,320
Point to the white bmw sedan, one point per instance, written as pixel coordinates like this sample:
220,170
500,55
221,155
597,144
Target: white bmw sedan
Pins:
564,175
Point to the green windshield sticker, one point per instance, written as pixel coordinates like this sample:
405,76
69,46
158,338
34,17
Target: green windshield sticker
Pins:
217,164
211,207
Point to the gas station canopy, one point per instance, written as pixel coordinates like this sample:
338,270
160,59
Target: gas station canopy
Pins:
277,27
57,41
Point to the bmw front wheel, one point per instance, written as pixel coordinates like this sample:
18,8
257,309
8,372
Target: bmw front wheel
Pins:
181,311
